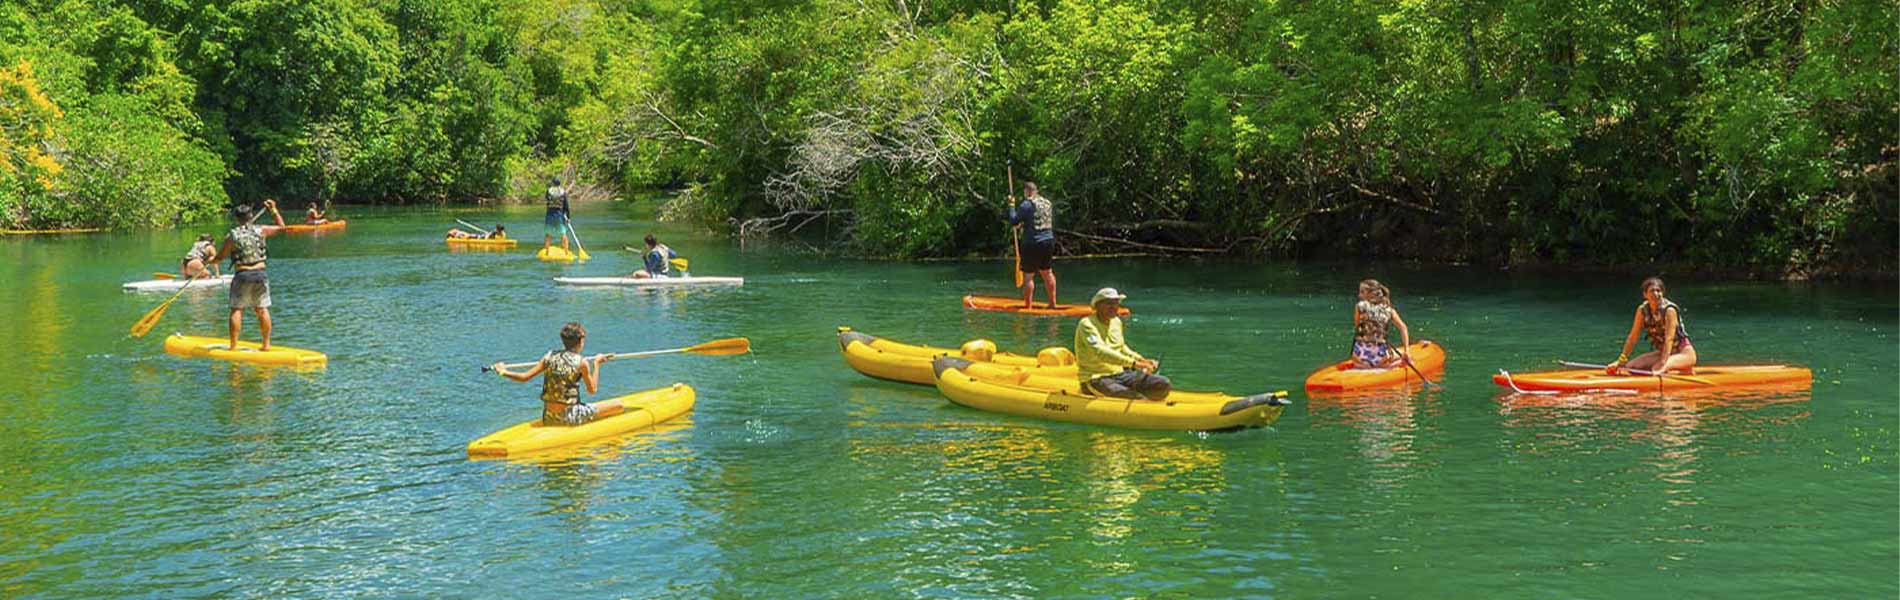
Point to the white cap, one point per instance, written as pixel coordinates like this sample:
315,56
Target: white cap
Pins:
1106,294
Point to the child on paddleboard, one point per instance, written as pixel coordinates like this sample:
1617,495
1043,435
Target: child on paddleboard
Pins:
199,257
563,371
1371,317
1661,321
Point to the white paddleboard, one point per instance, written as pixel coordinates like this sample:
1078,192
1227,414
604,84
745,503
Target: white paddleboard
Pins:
168,285
648,281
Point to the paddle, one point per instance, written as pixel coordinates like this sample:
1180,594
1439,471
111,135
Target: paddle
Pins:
1513,383
1407,359
721,347
1637,372
472,226
1015,233
163,275
150,319
582,255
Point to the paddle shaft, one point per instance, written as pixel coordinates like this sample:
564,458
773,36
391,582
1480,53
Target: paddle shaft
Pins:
715,347
1637,372
577,236
472,226
1407,358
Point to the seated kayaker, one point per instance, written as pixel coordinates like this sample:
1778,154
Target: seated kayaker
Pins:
1104,362
498,233
199,257
314,215
1661,321
563,371
1371,318
658,260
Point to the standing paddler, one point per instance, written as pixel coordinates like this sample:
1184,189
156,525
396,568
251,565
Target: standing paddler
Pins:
249,287
1037,254
556,220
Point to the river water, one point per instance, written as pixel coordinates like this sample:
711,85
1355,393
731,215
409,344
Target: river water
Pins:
126,472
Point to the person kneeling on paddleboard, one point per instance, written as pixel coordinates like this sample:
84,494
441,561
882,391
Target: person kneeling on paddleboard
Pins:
1104,362
199,257
1661,321
563,371
1371,317
249,287
658,260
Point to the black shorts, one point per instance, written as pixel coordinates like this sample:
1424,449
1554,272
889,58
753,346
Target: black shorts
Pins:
1037,256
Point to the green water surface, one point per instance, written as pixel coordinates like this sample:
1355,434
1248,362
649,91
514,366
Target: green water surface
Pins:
125,472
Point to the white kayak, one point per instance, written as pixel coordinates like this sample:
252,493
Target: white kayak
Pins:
167,285
649,281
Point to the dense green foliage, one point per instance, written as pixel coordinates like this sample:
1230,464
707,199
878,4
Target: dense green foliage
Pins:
1737,135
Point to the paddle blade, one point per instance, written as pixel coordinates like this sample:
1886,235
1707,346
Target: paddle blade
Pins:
723,347
150,320
680,263
161,275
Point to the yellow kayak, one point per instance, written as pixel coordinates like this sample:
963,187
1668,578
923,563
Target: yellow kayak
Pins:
643,409
219,348
481,242
559,254
1062,399
910,363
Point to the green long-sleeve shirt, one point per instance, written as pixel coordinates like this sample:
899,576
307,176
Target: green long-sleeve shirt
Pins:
1099,348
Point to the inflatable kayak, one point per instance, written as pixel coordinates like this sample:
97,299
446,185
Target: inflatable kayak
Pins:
643,409
306,227
169,285
1061,399
559,254
1342,376
1015,305
481,242
217,348
1704,378
648,281
909,363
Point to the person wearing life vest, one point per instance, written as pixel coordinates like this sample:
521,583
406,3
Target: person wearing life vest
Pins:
658,260
1104,362
314,215
563,372
1037,250
199,259
1661,321
250,288
556,221
1372,317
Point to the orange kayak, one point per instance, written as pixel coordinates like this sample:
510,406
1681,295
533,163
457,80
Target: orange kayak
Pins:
1040,309
1703,378
305,227
1342,376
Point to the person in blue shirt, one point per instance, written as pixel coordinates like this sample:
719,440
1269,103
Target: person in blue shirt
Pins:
556,219
659,260
1038,249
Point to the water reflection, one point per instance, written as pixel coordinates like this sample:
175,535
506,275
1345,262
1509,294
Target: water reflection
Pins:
1387,421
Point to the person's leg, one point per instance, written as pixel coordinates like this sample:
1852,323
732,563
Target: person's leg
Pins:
1029,290
642,274
263,326
1049,279
237,321
1644,362
1108,385
1682,361
1150,385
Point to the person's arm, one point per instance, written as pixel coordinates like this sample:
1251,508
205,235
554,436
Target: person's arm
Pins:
654,262
590,372
524,376
1098,340
224,250
1636,326
279,217
1016,214
1405,335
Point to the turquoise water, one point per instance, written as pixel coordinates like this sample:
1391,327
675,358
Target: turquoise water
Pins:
125,472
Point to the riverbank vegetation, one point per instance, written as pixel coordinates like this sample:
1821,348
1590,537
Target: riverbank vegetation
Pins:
1737,135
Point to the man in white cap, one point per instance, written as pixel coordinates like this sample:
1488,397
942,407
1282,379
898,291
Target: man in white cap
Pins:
1105,363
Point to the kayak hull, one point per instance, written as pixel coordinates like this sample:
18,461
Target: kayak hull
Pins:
1015,305
498,243
308,228
171,285
1704,378
1061,399
643,409
910,363
215,348
647,281
1427,356
559,254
